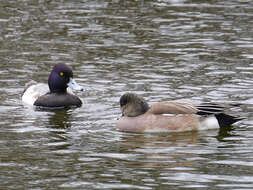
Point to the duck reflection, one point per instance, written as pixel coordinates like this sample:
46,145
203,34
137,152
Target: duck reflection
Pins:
160,150
224,133
132,140
60,119
174,150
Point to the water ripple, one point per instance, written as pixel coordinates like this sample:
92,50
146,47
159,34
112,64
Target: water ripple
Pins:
162,50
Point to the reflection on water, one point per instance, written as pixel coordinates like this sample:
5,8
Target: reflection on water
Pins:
60,119
158,150
162,50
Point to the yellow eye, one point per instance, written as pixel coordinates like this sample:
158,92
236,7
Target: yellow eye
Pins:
61,74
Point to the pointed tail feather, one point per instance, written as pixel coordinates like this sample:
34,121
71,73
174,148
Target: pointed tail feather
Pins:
225,120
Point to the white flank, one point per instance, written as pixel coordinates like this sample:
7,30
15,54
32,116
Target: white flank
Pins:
209,123
33,92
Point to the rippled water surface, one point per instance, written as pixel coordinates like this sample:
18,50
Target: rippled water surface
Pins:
162,50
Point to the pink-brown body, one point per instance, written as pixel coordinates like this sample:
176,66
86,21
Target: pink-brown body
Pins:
149,122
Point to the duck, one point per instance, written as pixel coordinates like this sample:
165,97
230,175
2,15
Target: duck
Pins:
171,116
54,95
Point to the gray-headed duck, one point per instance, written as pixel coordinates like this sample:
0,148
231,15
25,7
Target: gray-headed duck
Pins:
167,116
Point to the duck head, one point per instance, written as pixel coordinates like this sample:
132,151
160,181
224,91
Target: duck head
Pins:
132,105
60,78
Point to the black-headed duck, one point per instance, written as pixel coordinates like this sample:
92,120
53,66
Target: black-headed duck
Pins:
55,94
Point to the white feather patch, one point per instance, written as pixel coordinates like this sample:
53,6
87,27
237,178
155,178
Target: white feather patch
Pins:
33,92
209,123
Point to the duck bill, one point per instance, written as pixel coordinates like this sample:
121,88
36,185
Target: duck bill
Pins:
73,85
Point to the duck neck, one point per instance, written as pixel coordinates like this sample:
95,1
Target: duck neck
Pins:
59,91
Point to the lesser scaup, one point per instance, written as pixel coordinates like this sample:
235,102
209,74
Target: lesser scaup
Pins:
54,95
167,116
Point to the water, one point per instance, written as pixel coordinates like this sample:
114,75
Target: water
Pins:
162,50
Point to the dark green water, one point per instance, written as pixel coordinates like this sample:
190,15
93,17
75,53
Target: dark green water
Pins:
162,50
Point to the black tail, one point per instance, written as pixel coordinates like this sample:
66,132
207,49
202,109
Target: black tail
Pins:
225,120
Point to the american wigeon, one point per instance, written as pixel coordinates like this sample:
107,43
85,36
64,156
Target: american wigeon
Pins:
54,95
167,116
